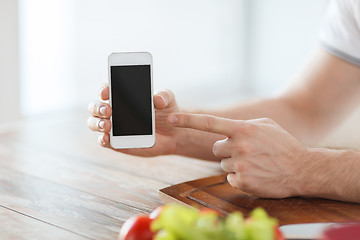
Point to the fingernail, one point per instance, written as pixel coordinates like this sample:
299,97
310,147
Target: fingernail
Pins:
173,119
164,100
102,110
101,124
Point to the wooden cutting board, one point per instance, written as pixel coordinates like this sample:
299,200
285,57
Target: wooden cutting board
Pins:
216,193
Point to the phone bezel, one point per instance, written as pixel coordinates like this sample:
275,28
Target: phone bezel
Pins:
128,59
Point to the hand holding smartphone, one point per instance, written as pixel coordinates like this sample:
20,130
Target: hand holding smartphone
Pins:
131,100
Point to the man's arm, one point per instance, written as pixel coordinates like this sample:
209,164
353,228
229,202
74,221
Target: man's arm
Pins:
264,160
325,91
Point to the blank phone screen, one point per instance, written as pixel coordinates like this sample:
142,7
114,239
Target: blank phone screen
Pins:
131,100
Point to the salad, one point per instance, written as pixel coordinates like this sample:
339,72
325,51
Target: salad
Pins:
178,222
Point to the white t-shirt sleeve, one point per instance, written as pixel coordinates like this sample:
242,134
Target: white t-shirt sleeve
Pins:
340,33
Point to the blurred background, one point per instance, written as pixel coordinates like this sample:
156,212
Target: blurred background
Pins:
53,53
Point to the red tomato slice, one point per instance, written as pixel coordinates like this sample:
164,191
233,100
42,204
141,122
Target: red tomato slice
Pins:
278,234
137,228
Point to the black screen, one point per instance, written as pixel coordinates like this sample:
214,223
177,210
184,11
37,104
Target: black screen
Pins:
131,100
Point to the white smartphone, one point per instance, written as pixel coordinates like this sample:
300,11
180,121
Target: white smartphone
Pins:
131,100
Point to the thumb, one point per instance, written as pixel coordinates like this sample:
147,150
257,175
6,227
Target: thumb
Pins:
164,99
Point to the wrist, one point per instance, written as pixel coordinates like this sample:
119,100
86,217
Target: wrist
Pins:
306,182
323,173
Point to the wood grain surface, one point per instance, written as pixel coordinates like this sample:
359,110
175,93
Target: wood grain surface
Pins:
57,183
215,192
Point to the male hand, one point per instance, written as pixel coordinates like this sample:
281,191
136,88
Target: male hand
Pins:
261,158
165,104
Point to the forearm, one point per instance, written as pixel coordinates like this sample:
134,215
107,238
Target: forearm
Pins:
323,94
332,174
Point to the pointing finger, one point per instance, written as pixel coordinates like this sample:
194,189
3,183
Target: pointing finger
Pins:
203,122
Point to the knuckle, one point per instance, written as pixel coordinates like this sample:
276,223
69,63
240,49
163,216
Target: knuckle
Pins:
185,120
244,184
244,147
238,181
209,122
94,108
92,123
89,122
91,107
247,129
241,166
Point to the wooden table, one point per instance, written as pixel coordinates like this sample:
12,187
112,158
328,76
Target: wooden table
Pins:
57,183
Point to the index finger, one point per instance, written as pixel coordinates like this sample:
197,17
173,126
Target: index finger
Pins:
203,122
